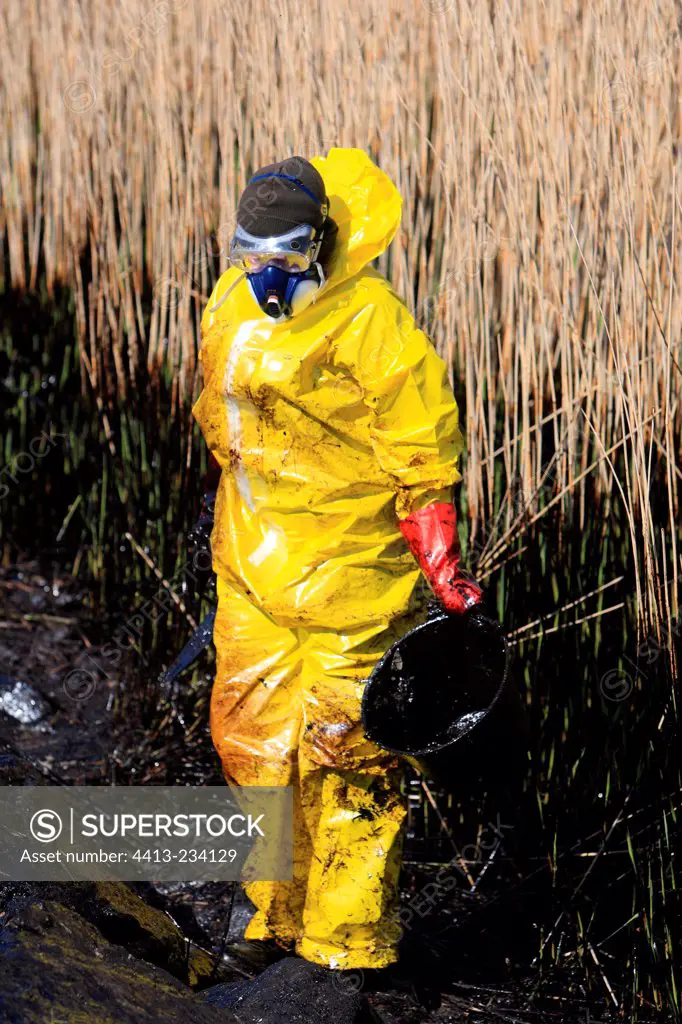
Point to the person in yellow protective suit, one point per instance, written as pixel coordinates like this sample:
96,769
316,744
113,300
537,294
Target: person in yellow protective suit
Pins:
336,431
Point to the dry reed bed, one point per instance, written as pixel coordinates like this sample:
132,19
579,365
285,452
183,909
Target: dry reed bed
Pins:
536,147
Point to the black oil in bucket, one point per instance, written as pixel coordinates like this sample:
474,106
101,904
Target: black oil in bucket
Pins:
441,697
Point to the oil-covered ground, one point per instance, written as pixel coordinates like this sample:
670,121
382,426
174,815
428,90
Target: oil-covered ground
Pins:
469,944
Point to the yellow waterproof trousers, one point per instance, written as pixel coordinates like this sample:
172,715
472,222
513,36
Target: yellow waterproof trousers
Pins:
285,711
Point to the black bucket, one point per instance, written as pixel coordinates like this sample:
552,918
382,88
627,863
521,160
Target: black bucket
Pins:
442,698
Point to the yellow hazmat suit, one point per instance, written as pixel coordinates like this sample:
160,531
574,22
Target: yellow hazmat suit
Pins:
328,427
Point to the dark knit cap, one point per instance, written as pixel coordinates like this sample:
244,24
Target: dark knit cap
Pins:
281,196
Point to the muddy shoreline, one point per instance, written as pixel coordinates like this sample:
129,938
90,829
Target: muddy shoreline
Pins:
465,957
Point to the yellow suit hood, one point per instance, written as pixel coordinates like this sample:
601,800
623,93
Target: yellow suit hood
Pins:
366,206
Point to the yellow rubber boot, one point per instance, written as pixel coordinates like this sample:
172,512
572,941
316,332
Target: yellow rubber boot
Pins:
350,910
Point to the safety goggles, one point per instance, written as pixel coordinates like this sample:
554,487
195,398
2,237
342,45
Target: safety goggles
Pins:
294,252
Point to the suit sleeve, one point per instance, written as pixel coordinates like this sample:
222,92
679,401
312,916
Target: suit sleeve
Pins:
209,409
415,421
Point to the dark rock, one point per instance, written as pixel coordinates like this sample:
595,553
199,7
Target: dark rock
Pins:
295,991
57,967
22,702
123,919
202,908
256,956
162,896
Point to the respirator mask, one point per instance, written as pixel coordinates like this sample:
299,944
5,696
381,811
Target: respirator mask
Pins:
283,272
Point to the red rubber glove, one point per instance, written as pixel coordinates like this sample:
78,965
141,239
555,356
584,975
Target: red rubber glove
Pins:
431,533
